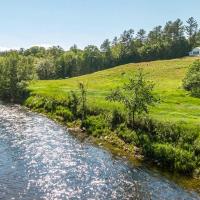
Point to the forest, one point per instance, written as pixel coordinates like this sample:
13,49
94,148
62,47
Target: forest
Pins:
173,40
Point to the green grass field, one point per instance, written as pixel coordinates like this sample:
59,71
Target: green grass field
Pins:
176,104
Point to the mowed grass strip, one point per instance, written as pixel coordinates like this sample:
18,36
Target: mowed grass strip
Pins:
176,104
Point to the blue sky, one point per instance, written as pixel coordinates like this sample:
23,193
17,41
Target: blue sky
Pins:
24,23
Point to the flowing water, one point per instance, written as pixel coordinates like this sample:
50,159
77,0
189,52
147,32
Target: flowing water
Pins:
39,159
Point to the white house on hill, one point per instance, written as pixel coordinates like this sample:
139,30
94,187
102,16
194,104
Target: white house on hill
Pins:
195,52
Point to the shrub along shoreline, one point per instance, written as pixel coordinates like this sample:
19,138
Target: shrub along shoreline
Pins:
175,147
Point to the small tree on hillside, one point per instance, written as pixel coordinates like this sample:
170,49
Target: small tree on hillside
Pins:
73,103
136,95
83,100
78,102
192,80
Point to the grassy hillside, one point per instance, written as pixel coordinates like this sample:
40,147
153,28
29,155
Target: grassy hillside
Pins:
176,104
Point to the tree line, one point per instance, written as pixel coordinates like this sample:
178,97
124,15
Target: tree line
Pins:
175,39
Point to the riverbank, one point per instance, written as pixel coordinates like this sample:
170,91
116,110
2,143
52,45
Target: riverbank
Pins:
110,142
130,152
159,148
170,135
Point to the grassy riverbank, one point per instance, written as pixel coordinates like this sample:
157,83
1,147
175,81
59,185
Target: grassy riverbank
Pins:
170,135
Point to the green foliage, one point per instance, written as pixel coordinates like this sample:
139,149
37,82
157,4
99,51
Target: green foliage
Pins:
92,59
46,69
136,95
118,117
83,100
96,125
174,158
69,64
95,109
145,142
191,30
64,113
184,161
49,105
165,153
73,103
127,135
179,134
173,40
192,80
14,72
34,51
175,146
22,91
197,146
35,102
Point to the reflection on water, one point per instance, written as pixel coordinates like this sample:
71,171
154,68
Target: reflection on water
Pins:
40,160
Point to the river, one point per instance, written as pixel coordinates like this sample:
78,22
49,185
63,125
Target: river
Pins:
39,159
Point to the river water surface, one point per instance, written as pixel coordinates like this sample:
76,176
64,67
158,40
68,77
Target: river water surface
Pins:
39,159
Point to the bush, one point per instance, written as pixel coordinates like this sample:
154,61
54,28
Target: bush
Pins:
187,138
167,132
15,72
50,105
64,113
145,124
35,102
184,161
165,153
22,92
127,135
174,158
145,143
192,80
96,125
159,131
95,110
179,134
73,103
117,118
197,146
